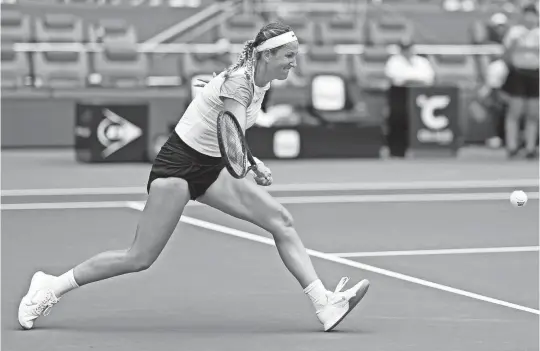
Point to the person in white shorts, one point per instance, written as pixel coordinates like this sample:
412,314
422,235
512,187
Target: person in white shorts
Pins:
189,167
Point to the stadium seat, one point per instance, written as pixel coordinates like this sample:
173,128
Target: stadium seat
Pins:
113,31
459,70
323,59
59,28
15,67
389,30
303,27
15,27
60,69
341,30
369,67
80,2
240,28
120,65
201,64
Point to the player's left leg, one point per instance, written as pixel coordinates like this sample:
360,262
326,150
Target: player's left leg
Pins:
245,200
531,127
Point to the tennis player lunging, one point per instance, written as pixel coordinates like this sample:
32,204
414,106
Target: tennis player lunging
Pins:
189,167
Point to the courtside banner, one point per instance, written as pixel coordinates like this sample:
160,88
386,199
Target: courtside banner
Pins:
111,133
304,142
433,118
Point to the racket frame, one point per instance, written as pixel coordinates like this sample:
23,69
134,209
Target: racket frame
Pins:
245,148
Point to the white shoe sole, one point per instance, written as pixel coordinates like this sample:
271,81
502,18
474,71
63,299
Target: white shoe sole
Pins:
364,286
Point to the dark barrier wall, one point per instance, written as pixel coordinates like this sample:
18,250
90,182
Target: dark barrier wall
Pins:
44,119
41,118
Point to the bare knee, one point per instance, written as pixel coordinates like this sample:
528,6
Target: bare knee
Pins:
281,222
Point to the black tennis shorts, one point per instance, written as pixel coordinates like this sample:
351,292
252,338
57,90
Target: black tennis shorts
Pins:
522,83
177,159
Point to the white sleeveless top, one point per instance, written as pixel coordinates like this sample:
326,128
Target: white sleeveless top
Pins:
525,54
197,127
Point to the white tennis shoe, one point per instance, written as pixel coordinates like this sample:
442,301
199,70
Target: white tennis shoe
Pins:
341,303
38,301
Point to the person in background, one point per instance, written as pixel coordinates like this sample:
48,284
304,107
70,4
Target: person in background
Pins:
494,100
406,68
522,83
496,28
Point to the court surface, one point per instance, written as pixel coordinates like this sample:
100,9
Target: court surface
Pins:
452,265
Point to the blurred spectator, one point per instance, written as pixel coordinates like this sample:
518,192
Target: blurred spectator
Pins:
404,69
408,68
496,28
522,83
494,100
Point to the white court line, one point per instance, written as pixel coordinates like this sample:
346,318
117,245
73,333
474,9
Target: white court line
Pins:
292,200
412,185
417,185
438,252
64,205
398,198
344,261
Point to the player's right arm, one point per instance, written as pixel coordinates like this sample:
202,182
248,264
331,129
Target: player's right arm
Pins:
237,109
236,95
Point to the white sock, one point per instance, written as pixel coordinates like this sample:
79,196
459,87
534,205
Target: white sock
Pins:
317,293
64,283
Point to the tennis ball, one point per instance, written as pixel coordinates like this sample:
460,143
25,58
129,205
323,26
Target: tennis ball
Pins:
518,198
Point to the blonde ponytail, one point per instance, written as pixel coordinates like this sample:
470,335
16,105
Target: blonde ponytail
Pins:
243,58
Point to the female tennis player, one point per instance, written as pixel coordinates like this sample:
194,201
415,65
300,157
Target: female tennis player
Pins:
521,57
189,167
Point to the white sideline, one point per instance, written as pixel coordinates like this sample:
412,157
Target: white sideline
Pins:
417,185
437,252
289,200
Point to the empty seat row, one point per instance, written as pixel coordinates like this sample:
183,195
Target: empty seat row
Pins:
117,65
121,64
125,3
55,27
331,31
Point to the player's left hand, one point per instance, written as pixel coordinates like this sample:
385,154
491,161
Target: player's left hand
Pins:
263,175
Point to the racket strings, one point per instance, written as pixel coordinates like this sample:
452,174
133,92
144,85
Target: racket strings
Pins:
233,146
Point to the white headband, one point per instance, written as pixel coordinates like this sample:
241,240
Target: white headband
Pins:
277,41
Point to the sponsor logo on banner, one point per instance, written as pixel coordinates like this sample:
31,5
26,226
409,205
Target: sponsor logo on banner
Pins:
436,124
286,143
115,132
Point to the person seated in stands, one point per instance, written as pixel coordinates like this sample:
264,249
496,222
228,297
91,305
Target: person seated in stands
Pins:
407,68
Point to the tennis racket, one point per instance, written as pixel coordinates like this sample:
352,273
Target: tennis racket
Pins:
235,152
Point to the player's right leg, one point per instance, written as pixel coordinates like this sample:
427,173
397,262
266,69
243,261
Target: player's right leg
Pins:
166,201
